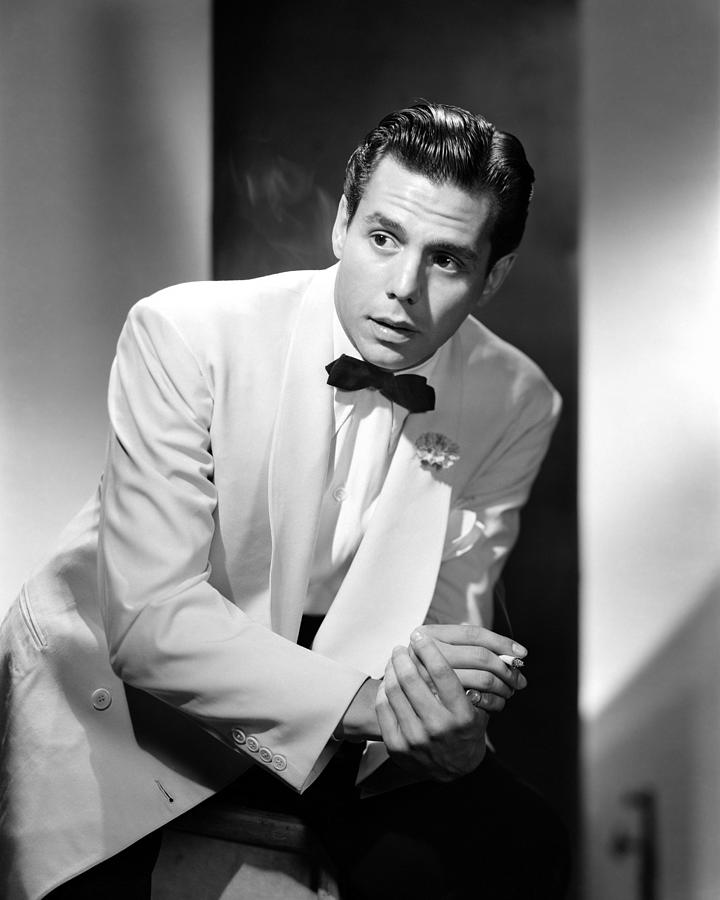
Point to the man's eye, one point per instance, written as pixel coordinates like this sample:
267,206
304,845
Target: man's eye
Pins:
383,241
449,263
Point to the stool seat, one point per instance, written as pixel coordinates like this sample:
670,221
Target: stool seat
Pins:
222,817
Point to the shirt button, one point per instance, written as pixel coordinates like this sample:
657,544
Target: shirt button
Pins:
279,763
265,754
101,698
239,736
252,744
340,494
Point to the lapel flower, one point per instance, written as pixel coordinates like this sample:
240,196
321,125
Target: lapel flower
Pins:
436,451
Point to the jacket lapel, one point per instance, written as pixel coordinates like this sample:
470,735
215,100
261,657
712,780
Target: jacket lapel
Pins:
299,455
390,584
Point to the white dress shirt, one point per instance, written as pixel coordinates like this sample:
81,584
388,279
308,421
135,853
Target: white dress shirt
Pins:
366,431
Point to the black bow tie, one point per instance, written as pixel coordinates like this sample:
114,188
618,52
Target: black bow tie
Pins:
411,391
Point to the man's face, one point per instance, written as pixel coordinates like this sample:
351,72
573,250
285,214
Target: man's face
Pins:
412,265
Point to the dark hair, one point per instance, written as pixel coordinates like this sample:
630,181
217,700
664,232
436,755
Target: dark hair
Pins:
446,143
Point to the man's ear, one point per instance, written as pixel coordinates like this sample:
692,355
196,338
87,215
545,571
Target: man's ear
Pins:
495,277
340,228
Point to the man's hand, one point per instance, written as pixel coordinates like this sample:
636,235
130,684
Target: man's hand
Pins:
474,653
435,733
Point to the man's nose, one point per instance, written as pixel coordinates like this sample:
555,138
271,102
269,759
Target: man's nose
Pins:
406,282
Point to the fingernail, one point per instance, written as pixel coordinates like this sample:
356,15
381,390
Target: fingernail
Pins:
519,650
417,637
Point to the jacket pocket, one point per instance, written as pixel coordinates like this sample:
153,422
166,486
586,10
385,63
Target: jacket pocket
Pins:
464,529
31,622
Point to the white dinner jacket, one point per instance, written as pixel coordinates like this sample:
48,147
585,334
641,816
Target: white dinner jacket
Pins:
171,608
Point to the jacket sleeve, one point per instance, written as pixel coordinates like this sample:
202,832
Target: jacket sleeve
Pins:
484,521
169,631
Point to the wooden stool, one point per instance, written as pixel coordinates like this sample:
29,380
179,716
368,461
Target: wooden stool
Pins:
222,818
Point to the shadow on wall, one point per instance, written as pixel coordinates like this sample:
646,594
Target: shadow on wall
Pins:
661,734
104,112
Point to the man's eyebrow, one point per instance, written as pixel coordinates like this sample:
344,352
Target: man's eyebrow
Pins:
376,218
460,250
469,254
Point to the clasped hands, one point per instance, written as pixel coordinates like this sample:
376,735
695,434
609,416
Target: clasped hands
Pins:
424,717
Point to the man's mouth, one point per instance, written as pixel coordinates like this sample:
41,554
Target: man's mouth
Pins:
398,325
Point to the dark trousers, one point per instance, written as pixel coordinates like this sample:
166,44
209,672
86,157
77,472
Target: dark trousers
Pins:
485,836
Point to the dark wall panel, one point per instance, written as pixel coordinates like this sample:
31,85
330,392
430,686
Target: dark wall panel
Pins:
296,87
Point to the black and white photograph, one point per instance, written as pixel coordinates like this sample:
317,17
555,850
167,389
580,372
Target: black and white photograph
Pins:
360,474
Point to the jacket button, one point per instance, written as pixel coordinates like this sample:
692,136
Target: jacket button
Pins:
279,763
340,494
101,698
239,736
253,744
265,754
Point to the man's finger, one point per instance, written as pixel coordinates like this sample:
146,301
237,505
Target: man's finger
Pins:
485,681
489,703
408,695
475,636
450,691
421,669
389,728
470,656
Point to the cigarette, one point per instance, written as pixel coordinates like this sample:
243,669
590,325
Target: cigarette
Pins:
513,661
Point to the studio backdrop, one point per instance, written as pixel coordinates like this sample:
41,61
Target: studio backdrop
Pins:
296,87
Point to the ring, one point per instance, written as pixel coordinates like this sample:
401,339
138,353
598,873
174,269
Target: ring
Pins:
475,697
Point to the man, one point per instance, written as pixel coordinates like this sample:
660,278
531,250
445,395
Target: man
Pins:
275,523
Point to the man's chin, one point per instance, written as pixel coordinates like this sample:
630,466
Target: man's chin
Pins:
392,362
387,357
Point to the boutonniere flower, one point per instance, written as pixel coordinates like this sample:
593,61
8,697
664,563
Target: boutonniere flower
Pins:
436,451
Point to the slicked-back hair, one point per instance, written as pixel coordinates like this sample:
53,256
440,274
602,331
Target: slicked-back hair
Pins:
450,144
